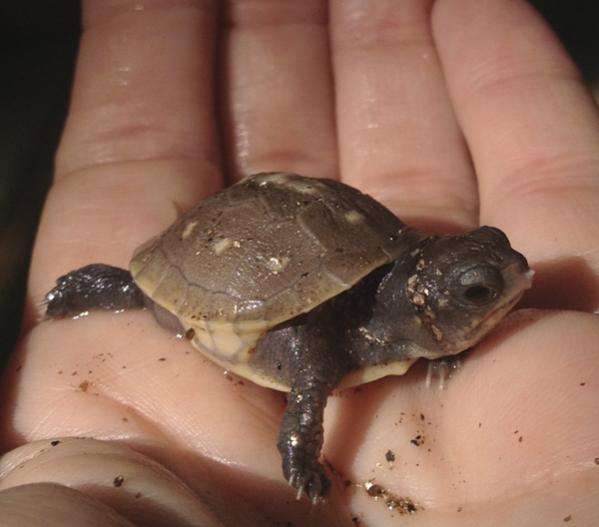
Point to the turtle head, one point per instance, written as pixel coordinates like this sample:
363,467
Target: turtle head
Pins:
448,292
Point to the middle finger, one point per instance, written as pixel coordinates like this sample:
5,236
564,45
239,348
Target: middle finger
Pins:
279,108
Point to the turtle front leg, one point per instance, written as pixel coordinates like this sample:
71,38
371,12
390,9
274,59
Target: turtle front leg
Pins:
300,439
303,354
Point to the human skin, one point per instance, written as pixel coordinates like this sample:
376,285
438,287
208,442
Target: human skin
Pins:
453,114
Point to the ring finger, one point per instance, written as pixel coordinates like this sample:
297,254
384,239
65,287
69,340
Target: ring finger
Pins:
398,137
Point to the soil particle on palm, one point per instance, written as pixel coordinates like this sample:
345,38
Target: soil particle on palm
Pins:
399,504
418,440
390,456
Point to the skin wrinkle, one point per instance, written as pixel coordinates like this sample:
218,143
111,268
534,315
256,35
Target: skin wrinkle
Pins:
260,14
548,174
183,435
109,11
104,391
517,66
552,142
365,25
449,198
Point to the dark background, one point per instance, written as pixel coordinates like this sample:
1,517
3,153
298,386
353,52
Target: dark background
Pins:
38,48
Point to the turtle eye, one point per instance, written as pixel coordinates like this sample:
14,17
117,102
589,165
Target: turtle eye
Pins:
478,285
479,294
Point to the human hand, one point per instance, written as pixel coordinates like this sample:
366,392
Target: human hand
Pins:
464,114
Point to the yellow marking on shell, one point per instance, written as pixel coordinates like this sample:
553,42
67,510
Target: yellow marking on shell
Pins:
188,229
277,179
304,188
276,264
220,246
202,336
312,187
241,338
438,334
372,373
245,371
228,340
354,217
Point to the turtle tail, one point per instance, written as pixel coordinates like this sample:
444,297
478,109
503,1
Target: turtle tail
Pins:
95,286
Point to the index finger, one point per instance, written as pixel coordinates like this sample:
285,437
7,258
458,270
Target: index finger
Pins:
533,130
140,141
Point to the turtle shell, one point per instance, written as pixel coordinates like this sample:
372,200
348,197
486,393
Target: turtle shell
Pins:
261,252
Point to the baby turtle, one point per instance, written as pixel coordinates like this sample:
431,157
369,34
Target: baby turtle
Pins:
307,285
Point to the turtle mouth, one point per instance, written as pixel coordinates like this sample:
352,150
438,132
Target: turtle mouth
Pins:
516,282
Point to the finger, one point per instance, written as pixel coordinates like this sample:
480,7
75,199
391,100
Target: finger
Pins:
114,475
397,134
278,95
531,125
54,505
140,143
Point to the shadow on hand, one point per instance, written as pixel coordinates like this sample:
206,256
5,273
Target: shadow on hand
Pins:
564,284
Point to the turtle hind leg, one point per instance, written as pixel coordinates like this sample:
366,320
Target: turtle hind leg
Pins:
95,286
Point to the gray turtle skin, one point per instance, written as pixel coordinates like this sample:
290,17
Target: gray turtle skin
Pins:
307,285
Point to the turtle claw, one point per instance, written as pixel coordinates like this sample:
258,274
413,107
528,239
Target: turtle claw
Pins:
442,369
310,481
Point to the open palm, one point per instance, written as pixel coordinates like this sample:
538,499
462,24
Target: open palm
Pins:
454,113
